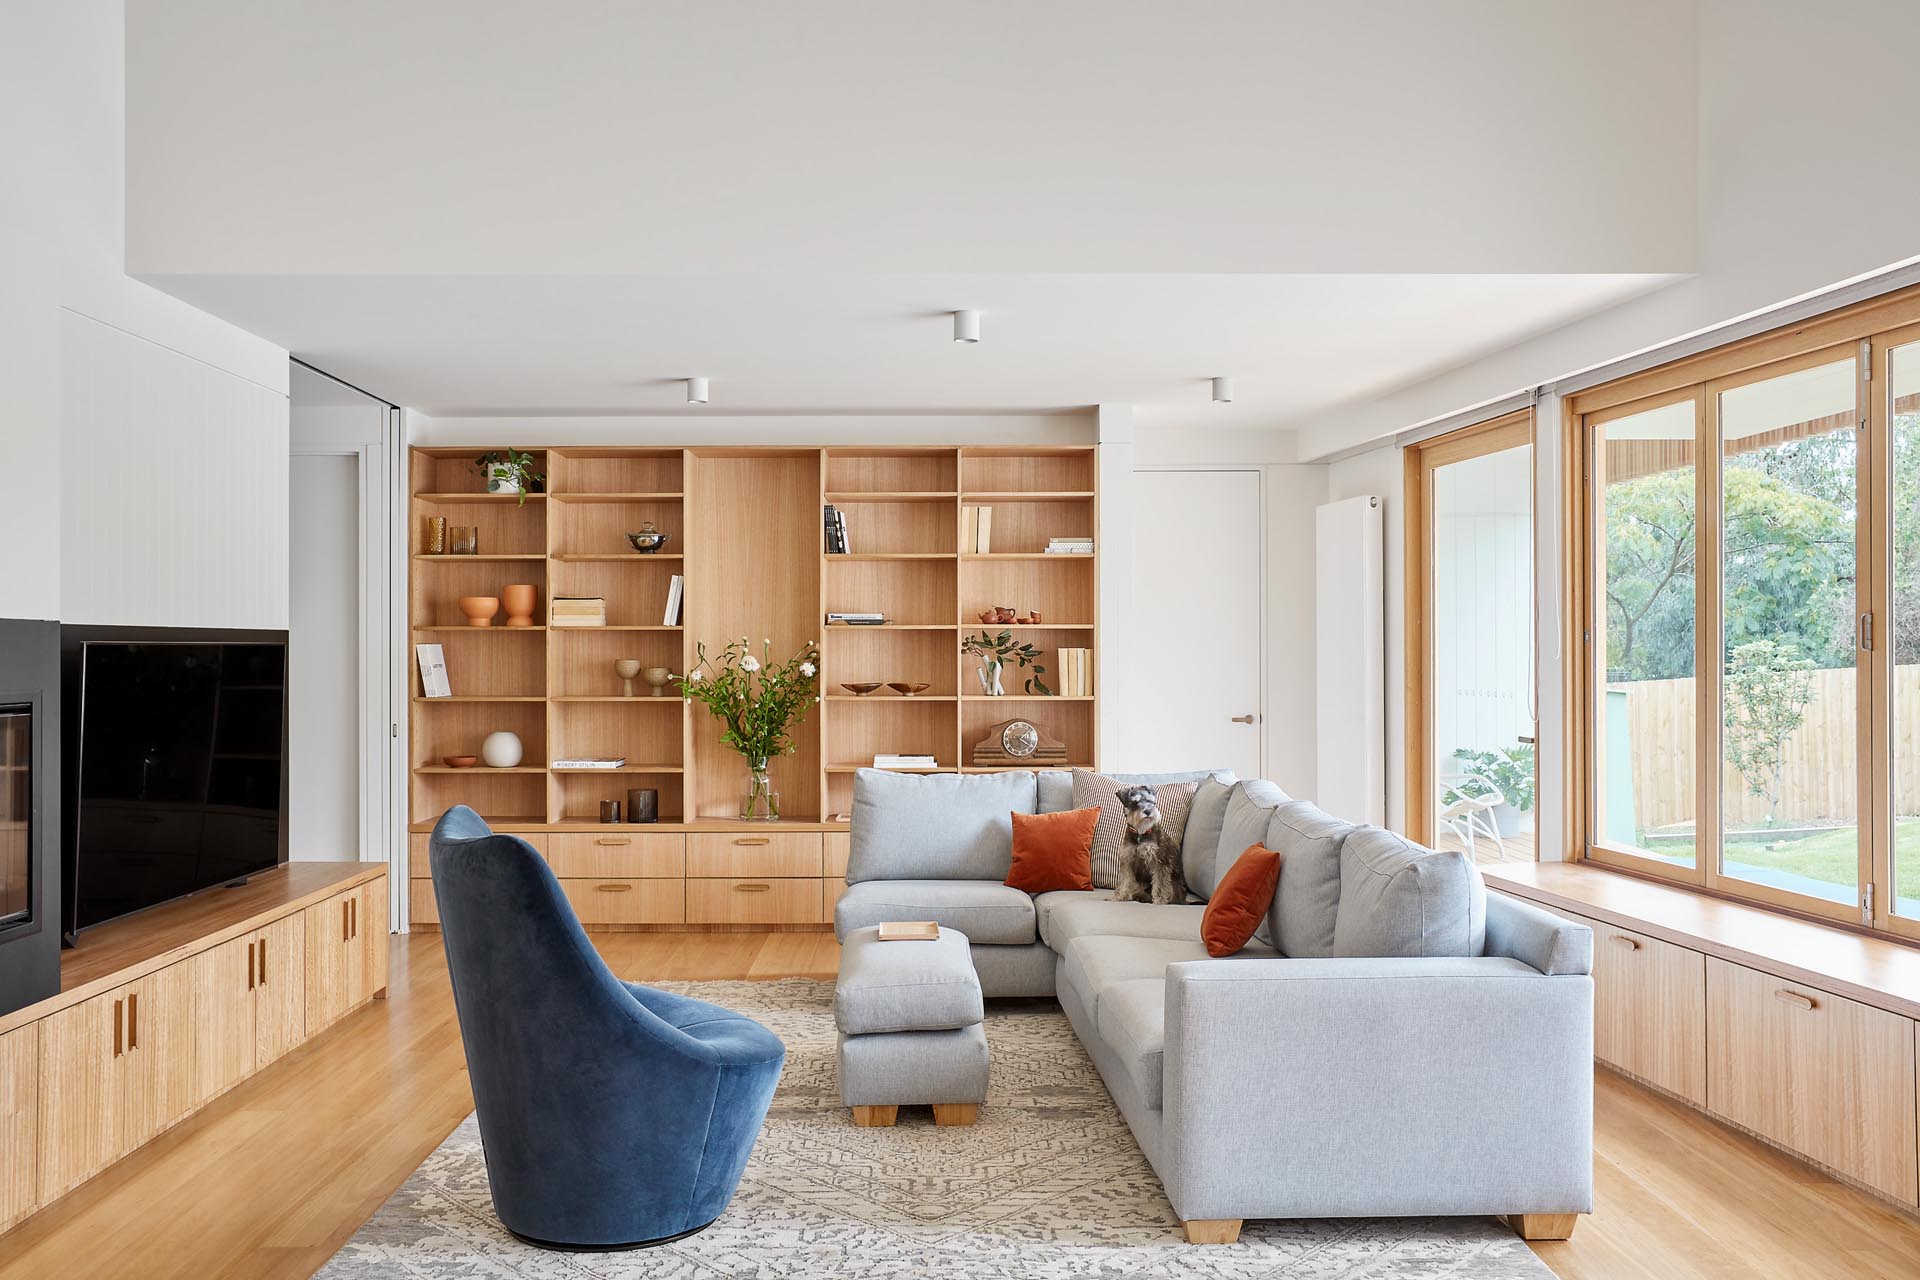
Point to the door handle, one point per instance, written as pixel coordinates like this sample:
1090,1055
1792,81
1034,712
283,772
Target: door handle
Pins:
353,914
613,840
118,1014
263,962
614,888
1246,719
1626,942
249,966
753,888
344,935
1793,998
1527,740
133,1020
754,840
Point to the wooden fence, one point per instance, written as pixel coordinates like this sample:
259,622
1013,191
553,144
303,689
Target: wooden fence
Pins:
1821,777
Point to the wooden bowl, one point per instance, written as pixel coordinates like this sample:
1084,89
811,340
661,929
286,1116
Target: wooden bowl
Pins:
907,688
861,689
459,762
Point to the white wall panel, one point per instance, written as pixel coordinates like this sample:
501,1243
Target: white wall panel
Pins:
174,496
29,428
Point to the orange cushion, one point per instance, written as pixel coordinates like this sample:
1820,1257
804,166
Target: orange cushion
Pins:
1240,901
1053,850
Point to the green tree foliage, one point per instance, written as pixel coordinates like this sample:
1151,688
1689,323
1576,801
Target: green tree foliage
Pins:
1768,687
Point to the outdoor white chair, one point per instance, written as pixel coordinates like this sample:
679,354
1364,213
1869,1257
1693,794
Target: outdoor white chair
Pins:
1469,816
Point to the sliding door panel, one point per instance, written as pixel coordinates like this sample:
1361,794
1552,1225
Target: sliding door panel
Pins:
1902,409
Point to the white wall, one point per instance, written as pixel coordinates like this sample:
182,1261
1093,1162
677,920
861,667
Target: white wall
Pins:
155,434
323,659
1379,473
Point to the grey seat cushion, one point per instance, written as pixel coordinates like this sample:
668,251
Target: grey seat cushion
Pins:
984,910
1307,899
1094,963
1072,914
1398,898
905,986
1132,1020
937,826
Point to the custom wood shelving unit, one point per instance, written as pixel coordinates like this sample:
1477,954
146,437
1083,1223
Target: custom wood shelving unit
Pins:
745,531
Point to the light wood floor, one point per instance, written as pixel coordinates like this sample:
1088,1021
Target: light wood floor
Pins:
271,1179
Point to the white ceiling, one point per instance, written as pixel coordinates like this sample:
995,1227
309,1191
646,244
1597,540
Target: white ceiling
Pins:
506,345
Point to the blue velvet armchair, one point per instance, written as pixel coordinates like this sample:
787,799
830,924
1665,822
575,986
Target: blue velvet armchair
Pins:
613,1116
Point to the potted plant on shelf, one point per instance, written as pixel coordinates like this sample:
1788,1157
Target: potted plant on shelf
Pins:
510,471
995,651
758,703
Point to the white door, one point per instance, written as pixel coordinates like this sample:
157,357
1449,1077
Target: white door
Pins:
1195,637
323,659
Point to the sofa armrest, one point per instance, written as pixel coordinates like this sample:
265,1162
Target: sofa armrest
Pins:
1371,1087
1526,933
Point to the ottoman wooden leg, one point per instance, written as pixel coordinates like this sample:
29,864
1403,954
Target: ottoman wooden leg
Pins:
1212,1230
1543,1226
955,1113
875,1117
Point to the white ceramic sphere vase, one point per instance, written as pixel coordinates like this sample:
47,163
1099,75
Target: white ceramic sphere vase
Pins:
502,750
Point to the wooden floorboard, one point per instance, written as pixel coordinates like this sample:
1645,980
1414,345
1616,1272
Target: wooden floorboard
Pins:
271,1179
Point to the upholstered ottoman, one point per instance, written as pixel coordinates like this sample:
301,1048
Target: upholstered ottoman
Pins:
910,1019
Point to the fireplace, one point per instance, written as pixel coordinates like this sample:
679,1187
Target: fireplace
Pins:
29,810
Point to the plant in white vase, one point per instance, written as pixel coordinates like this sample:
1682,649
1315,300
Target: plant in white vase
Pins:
994,652
510,471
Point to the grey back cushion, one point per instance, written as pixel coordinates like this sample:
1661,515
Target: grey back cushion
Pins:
1398,898
1244,821
1056,790
1200,847
1306,902
935,826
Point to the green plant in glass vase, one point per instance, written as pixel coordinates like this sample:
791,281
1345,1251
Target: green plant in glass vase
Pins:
758,703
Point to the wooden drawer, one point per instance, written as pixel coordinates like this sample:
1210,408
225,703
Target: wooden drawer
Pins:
749,853
1650,1009
1828,1077
421,907
631,900
420,858
837,844
748,901
646,855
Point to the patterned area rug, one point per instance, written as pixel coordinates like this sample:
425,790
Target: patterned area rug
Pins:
1048,1185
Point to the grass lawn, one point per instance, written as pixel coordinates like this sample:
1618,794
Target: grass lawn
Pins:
1831,857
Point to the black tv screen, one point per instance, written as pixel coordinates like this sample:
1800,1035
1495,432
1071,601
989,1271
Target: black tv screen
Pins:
179,782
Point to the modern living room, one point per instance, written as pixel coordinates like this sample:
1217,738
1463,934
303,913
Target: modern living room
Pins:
1242,639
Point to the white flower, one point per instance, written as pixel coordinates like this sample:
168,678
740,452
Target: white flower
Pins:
806,669
693,677
749,663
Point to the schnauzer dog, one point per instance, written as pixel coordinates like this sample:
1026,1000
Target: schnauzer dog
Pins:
1149,859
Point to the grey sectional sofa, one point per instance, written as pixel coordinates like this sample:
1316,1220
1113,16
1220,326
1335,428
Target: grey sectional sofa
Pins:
1394,1040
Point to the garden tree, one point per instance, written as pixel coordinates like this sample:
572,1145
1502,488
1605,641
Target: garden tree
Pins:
1787,575
1768,687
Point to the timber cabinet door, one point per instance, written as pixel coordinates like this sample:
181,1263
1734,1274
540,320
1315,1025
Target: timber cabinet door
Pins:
329,938
369,920
161,1082
83,1052
223,980
280,989
1650,1010
19,1123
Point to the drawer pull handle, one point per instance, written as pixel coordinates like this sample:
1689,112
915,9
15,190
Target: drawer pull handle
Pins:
614,888
613,839
754,840
249,966
1793,998
1625,941
752,888
133,1021
263,962
118,1016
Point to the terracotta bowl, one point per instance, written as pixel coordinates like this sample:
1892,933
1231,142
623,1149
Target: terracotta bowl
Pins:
907,688
862,689
459,762
479,609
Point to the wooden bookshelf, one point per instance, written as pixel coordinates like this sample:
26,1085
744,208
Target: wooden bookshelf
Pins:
744,529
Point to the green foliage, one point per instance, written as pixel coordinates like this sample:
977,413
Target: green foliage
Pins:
758,702
1510,769
1768,687
516,464
1002,649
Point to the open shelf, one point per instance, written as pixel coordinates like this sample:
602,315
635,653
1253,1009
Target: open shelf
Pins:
894,495
450,558
463,498
618,497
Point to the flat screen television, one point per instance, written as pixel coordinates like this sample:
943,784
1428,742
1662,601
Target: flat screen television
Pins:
176,776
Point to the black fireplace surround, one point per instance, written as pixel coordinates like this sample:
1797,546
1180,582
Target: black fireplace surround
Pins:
29,812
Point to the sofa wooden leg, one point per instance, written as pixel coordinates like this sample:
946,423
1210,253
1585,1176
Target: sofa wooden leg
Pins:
1212,1230
875,1117
955,1113
1543,1226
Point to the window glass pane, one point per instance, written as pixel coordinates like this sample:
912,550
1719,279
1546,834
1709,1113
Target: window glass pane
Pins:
1904,387
1790,695
1644,720
1482,654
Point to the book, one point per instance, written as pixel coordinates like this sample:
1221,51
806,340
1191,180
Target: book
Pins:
969,529
908,931
856,619
433,671
577,611
904,762
676,590
828,545
591,762
1070,546
983,543
840,523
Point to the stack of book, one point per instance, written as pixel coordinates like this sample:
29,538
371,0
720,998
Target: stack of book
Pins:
579,611
1069,546
592,762
676,596
905,762
835,522
1076,673
976,531
856,619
